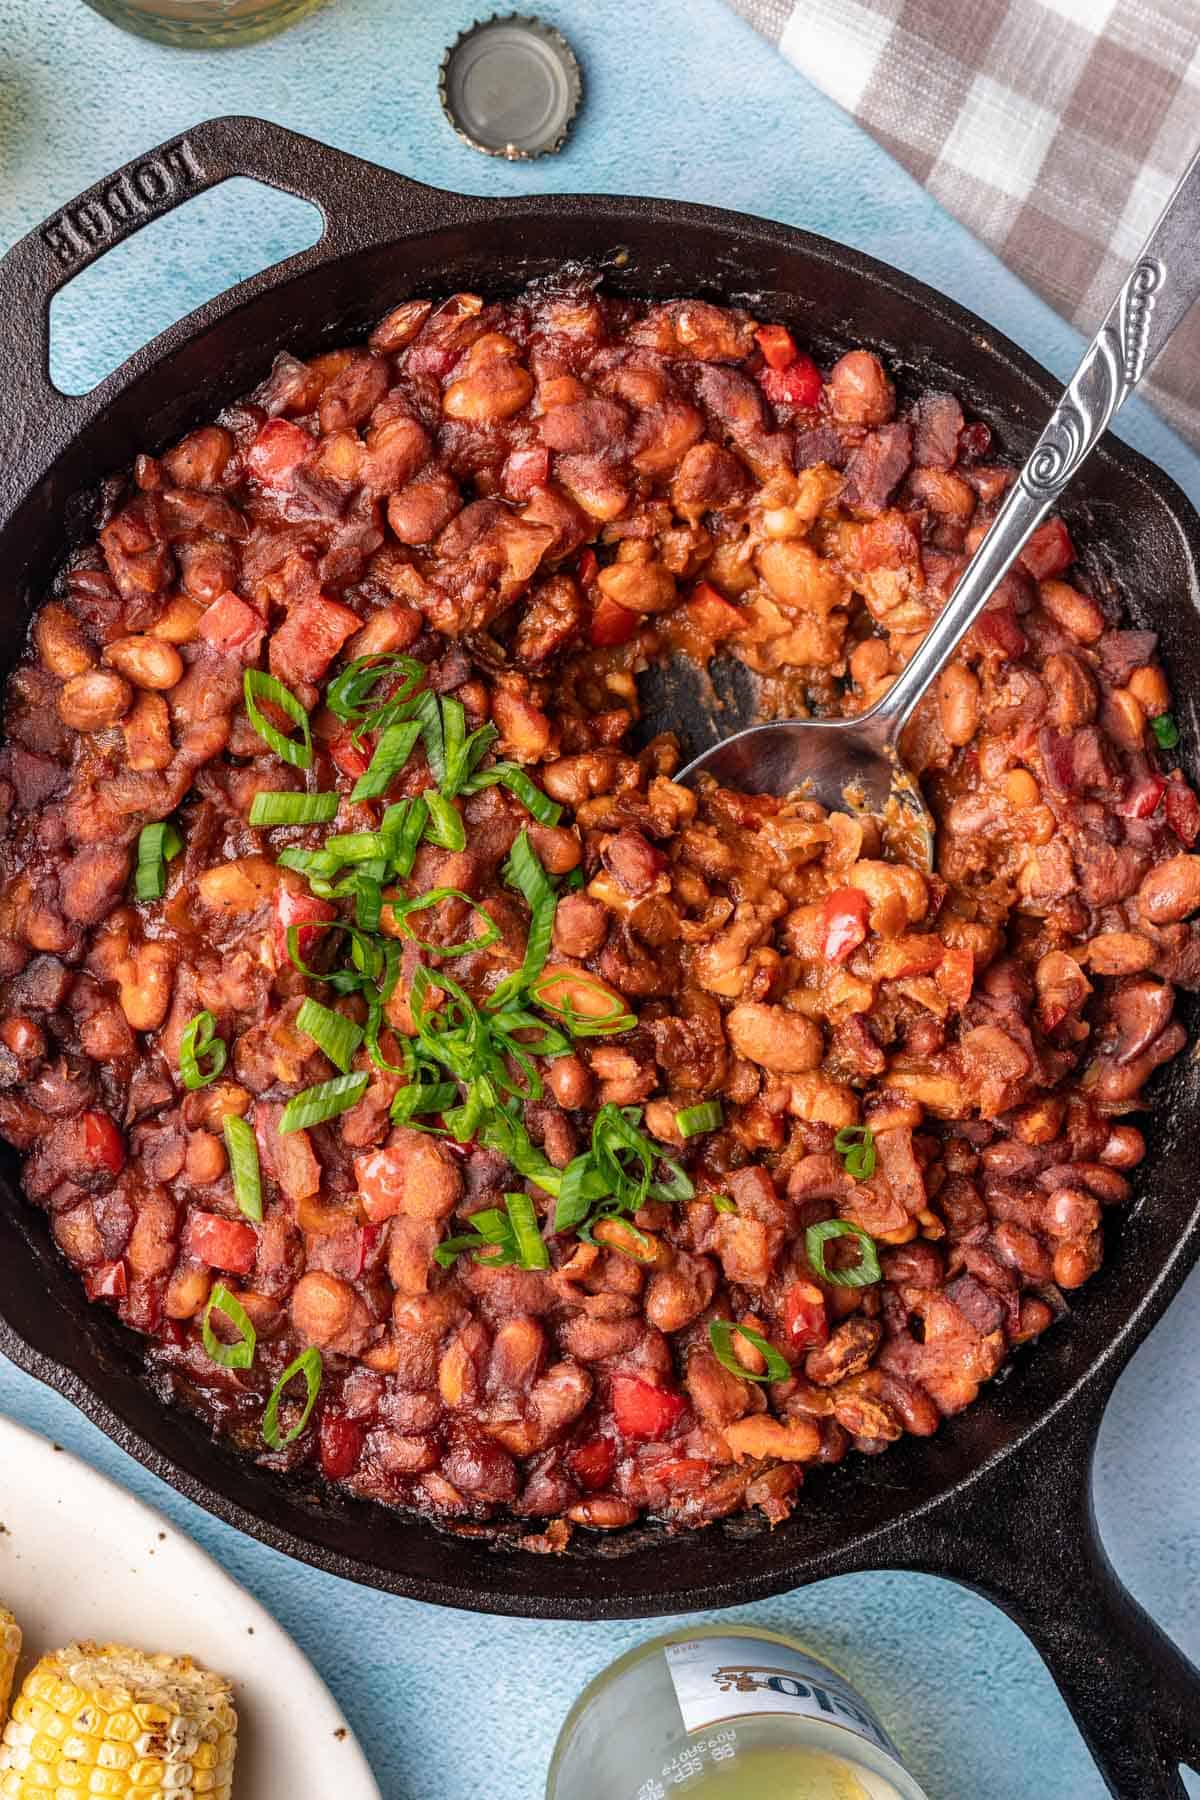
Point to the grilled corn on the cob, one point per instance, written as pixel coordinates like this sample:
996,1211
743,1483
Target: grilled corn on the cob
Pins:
10,1649
111,1722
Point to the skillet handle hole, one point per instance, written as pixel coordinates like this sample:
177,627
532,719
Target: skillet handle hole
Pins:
170,267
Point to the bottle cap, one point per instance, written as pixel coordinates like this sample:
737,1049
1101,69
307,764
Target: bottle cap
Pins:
510,86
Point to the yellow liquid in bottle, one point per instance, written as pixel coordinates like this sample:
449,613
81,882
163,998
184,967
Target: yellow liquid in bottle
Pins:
798,1774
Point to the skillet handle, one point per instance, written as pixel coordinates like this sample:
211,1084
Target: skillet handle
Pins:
1036,1552
358,201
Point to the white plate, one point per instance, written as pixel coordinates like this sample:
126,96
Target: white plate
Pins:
80,1558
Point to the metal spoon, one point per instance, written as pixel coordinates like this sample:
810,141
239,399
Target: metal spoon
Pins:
855,762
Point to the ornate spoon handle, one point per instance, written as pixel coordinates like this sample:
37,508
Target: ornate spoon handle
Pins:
1157,294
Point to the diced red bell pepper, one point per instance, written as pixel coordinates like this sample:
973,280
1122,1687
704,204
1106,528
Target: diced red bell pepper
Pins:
1049,551
805,1318
712,614
642,1410
956,974
304,911
777,345
278,449
1141,797
349,757
310,637
381,1177
844,917
222,1243
588,568
592,1464
340,1440
611,624
997,629
109,1282
103,1145
232,627
1183,812
798,385
524,471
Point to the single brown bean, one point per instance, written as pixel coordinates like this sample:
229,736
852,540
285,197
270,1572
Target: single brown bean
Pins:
568,1079
146,661
958,704
1119,953
94,701
1169,892
61,642
1077,614
1124,1147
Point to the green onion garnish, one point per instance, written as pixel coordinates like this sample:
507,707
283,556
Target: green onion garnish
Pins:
200,1041
866,1271
426,709
337,1036
721,1202
695,1119
396,744
257,685
525,872
720,1336
402,829
454,744
423,1097
293,809
446,828
401,909
531,1246
348,694
514,778
578,1023
324,1101
308,1364
855,1144
1165,730
229,1356
157,844
243,1162
491,1241
581,1184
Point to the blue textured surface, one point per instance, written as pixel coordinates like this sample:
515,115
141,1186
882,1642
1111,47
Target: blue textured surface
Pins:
682,100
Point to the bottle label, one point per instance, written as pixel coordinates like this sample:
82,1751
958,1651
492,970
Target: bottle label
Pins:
721,1678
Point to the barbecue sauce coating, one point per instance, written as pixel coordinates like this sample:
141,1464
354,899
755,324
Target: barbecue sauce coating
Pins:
533,499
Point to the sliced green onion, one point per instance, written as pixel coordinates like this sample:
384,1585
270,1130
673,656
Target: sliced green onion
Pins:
423,1097
680,1187
514,778
292,809
454,745
524,871
324,1101
866,1271
308,1364
1165,730
402,830
348,694
573,881
855,1144
695,1119
622,1155
446,828
157,845
433,897
229,1356
577,1190
368,902
256,686
581,1024
721,1202
243,1162
337,1036
200,1041
475,749
720,1336
427,711
396,744
531,1246
491,1240
501,1131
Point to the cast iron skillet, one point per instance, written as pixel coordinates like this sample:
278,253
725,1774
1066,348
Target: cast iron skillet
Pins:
1000,1499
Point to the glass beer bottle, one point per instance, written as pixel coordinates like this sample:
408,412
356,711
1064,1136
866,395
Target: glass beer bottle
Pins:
726,1712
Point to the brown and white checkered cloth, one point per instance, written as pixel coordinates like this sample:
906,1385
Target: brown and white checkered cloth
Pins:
1054,129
